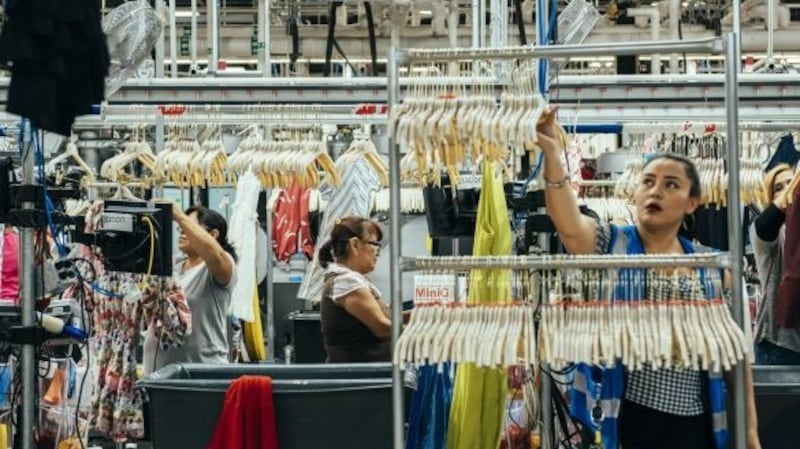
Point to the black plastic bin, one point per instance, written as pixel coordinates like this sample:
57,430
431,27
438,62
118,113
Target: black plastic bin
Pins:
777,391
316,406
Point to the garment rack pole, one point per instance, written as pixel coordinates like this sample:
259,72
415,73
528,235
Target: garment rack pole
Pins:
735,241
28,292
395,253
554,262
707,45
270,287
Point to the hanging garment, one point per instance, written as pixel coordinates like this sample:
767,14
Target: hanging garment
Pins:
584,392
785,154
353,197
126,302
248,416
479,396
253,333
9,265
430,407
241,234
291,230
788,307
58,57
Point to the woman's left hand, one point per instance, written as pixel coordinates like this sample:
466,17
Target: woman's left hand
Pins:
177,212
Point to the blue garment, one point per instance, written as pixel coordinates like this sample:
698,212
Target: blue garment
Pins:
430,408
785,154
586,394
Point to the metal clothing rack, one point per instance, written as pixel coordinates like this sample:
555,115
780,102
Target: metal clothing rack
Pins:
589,262
729,44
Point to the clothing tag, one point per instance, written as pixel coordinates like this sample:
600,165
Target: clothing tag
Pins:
130,292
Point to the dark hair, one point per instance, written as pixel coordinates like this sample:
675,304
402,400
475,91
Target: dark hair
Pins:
688,166
344,229
210,219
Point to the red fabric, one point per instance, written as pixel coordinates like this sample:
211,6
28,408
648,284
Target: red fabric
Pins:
248,416
291,224
788,307
9,278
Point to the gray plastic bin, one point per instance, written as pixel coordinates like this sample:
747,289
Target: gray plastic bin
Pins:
316,406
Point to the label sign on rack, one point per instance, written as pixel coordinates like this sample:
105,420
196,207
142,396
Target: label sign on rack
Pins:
437,287
469,180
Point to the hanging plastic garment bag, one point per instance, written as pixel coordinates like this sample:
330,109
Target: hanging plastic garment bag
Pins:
476,415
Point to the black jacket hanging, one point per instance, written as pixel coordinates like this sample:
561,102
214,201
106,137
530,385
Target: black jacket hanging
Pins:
57,55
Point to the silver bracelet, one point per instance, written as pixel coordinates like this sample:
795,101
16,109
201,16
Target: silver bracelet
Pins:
558,184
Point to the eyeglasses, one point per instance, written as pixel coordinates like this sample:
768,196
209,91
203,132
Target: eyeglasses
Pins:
377,245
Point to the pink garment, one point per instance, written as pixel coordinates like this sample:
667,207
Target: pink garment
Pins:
9,278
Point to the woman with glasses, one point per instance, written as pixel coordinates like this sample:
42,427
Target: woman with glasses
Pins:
355,322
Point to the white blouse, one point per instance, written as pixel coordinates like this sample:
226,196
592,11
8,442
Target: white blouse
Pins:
348,281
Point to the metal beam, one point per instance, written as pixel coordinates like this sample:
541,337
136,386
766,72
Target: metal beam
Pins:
773,94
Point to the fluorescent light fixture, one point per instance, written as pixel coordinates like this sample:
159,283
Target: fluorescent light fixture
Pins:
183,14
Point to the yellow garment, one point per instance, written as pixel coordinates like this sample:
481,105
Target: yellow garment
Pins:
253,334
479,394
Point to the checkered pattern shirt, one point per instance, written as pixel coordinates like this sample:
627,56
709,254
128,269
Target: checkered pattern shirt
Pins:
669,390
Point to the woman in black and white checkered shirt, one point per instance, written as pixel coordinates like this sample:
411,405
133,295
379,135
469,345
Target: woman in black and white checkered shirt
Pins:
663,408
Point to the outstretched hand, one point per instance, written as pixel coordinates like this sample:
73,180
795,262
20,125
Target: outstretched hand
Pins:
549,137
177,212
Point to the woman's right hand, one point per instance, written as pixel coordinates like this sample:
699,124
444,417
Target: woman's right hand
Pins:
549,137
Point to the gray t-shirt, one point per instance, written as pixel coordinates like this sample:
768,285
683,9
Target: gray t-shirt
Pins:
769,264
209,302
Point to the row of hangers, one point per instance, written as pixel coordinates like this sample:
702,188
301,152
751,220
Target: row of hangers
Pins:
708,152
610,209
695,335
186,163
119,168
486,335
445,128
412,200
583,320
296,159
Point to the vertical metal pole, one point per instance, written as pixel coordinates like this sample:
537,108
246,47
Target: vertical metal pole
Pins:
499,34
736,6
735,229
267,42
26,266
452,32
159,63
213,45
482,23
548,429
395,252
476,23
193,39
270,300
173,41
770,30
264,55
542,20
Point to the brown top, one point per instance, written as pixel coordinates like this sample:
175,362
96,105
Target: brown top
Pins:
348,340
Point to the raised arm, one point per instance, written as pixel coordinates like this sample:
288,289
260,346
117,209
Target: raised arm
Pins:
577,231
219,262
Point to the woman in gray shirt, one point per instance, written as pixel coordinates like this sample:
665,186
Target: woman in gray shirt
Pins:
207,274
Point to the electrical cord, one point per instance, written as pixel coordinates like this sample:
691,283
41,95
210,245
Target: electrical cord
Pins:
151,229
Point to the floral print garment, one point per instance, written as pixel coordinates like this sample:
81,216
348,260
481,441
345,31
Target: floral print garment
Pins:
121,304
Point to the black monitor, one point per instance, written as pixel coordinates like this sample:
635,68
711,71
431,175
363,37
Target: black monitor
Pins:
123,237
